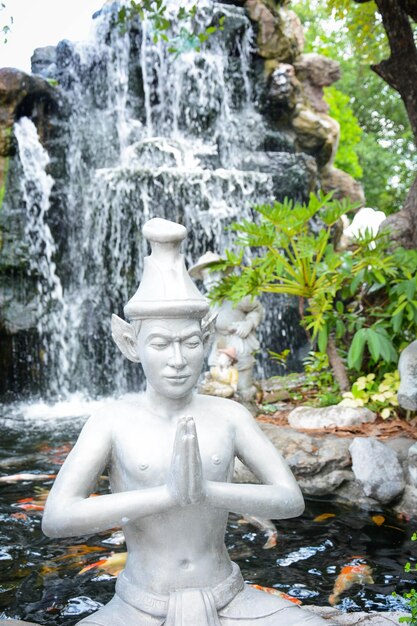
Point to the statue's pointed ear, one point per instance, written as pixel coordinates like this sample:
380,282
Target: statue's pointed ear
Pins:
208,327
124,336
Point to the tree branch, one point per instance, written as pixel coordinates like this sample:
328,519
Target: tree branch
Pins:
409,7
400,70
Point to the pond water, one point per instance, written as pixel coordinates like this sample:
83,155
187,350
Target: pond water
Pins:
59,581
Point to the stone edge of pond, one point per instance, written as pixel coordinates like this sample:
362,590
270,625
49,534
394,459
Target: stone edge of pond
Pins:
327,613
348,619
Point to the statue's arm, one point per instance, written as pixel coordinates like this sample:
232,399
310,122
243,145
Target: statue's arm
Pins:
70,510
278,497
253,311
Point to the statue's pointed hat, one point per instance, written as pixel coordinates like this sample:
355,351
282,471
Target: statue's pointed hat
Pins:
166,290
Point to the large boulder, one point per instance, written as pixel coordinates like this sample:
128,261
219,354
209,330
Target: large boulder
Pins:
293,175
320,465
412,465
317,134
43,61
342,184
280,32
22,94
283,87
315,71
376,466
310,418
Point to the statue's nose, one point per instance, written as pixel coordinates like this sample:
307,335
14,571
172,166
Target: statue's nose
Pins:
177,359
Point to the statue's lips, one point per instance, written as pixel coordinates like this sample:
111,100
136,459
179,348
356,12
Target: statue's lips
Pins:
178,378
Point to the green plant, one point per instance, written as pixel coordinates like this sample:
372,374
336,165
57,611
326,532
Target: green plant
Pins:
319,377
280,357
358,305
350,132
317,369
295,262
411,596
380,397
190,36
3,175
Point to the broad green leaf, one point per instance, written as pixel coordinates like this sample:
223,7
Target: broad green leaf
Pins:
373,341
322,339
356,350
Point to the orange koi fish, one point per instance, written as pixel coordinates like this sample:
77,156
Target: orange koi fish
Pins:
112,564
323,517
355,572
15,478
30,506
276,592
74,557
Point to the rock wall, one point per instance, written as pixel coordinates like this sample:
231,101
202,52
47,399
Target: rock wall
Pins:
359,471
294,84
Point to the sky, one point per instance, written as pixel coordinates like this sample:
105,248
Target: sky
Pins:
38,23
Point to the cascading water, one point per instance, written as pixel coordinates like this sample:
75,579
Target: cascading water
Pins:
36,186
148,133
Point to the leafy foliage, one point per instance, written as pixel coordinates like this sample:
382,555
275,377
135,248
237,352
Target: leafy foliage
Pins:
191,36
410,597
295,262
5,28
347,158
364,298
319,376
380,397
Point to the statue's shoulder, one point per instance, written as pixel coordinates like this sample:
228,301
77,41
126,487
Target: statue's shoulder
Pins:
223,407
115,411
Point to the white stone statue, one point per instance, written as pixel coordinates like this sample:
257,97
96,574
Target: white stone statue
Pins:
235,326
407,366
170,454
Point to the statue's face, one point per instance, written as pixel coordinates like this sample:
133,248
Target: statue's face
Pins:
172,355
210,279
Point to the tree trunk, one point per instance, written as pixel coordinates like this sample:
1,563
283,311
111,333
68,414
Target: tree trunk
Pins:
400,70
402,226
337,365
410,209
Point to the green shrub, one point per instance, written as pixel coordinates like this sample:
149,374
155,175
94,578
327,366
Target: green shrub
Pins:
362,300
410,597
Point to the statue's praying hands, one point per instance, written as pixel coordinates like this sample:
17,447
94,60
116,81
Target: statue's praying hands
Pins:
185,482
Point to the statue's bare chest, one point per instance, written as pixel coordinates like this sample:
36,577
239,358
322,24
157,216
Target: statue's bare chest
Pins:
142,453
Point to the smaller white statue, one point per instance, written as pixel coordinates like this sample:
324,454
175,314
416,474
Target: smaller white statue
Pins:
235,326
407,366
222,379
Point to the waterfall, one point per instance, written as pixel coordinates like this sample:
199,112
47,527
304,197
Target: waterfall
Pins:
36,186
148,133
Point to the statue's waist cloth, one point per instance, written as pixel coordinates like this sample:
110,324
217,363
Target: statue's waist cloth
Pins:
183,606
229,603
